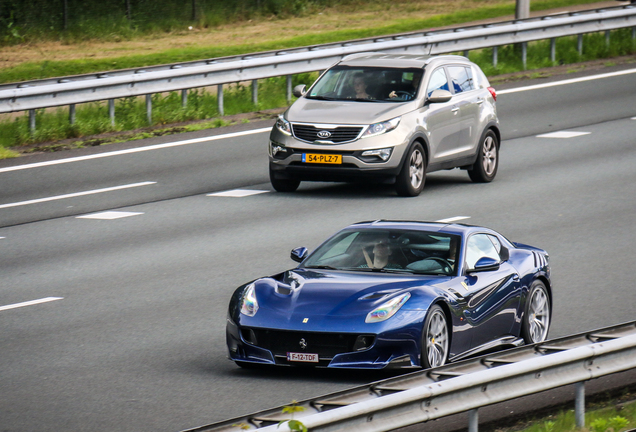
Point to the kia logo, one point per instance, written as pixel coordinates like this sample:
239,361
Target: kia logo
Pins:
324,134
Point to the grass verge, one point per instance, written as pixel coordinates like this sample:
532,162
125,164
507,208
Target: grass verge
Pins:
606,413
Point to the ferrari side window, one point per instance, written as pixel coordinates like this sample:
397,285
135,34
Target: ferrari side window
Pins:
479,246
495,241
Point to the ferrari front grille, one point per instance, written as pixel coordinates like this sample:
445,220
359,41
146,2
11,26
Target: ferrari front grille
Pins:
326,345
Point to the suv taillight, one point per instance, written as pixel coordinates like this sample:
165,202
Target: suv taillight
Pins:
493,93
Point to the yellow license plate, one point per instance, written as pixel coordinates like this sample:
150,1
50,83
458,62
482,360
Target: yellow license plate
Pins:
322,158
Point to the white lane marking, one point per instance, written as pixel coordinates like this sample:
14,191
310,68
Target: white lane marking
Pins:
633,118
564,82
109,215
135,150
453,219
563,134
238,193
77,194
29,303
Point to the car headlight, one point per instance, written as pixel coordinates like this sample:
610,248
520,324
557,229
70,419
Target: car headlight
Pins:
380,128
387,309
283,125
249,305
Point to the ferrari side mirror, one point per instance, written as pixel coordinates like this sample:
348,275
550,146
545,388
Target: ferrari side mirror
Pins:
299,254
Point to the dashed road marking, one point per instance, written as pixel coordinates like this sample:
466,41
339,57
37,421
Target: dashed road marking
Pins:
109,215
238,193
29,303
453,219
77,194
563,134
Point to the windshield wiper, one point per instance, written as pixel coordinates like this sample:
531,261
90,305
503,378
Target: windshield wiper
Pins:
322,98
322,267
381,270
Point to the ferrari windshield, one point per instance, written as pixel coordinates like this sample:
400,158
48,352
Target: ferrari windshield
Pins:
367,84
391,251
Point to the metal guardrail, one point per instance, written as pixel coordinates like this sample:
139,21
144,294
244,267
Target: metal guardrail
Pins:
32,95
460,387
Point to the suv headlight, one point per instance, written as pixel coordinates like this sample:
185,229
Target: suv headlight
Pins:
249,305
283,125
387,309
382,127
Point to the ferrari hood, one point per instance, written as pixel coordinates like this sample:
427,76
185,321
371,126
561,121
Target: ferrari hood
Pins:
324,296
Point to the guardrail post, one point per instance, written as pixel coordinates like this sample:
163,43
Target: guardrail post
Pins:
255,92
473,420
607,38
219,98
149,108
495,57
466,53
579,405
32,121
580,44
524,54
633,33
553,50
111,111
71,114
184,98
289,88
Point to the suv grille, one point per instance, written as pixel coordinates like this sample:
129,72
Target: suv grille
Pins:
340,134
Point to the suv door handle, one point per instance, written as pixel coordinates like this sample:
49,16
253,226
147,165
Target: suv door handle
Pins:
480,101
454,110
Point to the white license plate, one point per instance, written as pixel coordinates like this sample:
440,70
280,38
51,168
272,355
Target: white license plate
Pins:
302,357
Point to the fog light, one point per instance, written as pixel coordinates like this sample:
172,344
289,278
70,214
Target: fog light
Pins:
277,149
383,154
363,342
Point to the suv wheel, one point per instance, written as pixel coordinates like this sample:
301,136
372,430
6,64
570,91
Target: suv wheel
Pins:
282,185
487,162
410,181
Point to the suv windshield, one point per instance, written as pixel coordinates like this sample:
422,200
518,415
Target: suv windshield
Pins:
368,84
391,251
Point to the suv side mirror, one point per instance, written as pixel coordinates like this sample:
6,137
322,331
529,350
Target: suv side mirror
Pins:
485,264
440,96
300,90
299,254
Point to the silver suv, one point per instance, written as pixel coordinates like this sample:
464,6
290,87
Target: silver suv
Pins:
389,118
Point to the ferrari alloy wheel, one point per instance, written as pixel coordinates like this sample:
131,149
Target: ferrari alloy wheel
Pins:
487,162
536,321
435,339
410,181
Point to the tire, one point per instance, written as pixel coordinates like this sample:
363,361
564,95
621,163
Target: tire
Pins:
435,339
485,168
282,185
536,317
410,181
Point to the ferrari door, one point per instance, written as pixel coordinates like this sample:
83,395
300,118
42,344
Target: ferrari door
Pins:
493,294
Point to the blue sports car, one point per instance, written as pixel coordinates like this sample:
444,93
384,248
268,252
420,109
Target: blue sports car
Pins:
394,294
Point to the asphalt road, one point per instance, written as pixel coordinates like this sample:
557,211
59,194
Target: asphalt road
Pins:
131,337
